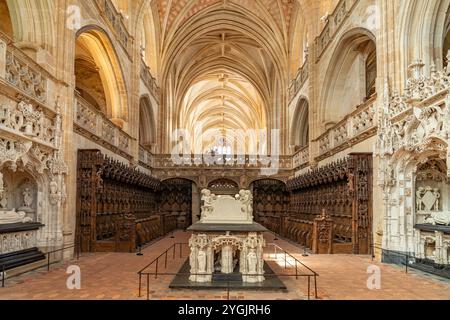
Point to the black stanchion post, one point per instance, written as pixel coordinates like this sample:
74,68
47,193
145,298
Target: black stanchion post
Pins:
315,285
165,260
309,287
139,253
148,286
3,276
407,261
305,254
140,283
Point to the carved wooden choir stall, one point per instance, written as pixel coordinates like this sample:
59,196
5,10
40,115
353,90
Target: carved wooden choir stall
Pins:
270,202
176,203
330,209
117,207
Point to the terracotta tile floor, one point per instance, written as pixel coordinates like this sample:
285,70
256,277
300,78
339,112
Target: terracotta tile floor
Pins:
114,276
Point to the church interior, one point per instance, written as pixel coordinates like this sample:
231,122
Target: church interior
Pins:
224,149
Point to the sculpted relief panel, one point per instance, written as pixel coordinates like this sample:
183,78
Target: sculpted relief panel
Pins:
32,169
413,139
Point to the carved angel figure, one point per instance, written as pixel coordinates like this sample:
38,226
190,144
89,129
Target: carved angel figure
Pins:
207,206
27,198
246,199
252,260
419,194
201,257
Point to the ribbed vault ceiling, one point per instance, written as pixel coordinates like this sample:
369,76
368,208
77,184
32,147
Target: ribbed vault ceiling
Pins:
225,63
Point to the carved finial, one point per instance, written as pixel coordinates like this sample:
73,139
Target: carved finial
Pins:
416,68
58,105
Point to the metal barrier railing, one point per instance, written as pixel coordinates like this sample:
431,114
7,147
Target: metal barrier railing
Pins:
173,251
48,257
405,258
297,262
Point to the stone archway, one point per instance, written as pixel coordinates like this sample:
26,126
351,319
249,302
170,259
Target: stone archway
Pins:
98,74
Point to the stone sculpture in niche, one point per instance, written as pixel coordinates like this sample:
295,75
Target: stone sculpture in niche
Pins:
252,262
439,218
227,260
27,198
427,199
201,257
9,217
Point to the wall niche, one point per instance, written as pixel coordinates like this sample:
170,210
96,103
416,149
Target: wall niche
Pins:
19,193
432,193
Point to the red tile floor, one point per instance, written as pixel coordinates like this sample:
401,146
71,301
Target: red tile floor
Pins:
114,276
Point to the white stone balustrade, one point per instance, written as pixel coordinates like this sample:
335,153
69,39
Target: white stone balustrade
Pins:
24,120
354,128
150,81
145,157
96,123
300,79
237,161
301,158
334,22
115,19
21,72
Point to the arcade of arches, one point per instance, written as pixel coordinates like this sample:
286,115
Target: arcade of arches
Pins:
335,114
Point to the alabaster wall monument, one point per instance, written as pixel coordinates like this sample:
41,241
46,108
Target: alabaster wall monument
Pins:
226,240
32,177
414,156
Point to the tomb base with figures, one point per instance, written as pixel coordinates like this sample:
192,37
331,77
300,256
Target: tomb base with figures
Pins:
227,247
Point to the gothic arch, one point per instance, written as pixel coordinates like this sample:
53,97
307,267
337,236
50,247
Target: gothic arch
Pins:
299,42
300,124
148,31
345,85
147,123
5,19
33,24
424,26
93,44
